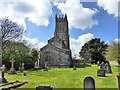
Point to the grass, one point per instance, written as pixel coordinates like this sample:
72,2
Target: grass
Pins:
65,77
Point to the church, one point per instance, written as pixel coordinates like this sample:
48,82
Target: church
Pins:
57,53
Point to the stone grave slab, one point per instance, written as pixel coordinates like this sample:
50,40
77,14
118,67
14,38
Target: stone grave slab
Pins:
89,83
74,68
44,87
101,72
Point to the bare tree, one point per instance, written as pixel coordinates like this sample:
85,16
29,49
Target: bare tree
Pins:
9,30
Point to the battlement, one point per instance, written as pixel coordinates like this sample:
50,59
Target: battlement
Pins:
61,29
61,25
61,19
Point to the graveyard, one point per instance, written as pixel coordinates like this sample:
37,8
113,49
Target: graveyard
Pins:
52,44
54,65
64,77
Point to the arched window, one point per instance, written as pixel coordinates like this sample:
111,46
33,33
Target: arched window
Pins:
49,58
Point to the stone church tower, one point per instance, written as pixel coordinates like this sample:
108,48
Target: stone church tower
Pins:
57,52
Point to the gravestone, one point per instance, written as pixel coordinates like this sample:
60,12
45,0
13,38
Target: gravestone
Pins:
108,68
102,66
89,83
118,80
24,74
37,63
74,68
101,72
3,78
22,66
44,87
3,68
12,69
45,67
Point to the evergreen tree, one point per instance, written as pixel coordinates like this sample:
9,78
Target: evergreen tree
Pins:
94,49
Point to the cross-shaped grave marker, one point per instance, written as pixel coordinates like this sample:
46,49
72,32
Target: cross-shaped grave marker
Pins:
12,63
12,69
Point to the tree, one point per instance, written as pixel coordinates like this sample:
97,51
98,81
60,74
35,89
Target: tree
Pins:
31,59
34,54
9,30
113,53
94,49
19,52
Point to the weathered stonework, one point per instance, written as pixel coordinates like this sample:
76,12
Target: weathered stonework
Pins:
57,52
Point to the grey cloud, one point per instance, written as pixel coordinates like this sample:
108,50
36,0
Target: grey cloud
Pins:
24,7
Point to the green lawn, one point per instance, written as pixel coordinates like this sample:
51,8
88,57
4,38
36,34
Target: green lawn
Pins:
65,77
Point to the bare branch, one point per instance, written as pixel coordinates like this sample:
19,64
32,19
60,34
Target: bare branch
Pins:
10,30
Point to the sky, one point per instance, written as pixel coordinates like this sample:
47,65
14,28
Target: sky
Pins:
87,20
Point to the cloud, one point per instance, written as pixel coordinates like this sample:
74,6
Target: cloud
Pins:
110,5
37,11
78,16
55,3
76,44
32,42
116,41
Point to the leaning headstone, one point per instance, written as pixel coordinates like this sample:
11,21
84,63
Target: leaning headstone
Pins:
102,66
101,72
12,69
108,68
74,68
3,78
89,83
44,87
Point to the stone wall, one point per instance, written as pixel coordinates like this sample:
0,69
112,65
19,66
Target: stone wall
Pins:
55,57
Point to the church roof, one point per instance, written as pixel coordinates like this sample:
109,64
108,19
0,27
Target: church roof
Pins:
57,43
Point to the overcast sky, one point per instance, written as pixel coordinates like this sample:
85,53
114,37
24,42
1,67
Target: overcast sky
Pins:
86,20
